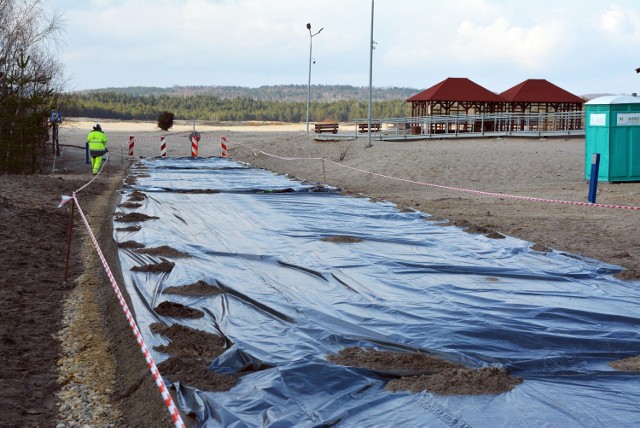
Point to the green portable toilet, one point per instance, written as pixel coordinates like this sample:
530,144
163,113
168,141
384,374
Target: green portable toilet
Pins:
612,129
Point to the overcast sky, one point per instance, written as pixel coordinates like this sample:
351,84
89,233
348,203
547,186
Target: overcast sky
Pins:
583,46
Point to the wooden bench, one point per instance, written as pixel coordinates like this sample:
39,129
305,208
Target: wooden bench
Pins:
326,127
364,127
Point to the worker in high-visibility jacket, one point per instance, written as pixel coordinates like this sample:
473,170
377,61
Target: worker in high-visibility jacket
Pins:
97,141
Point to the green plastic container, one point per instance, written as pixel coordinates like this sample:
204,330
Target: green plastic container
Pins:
613,129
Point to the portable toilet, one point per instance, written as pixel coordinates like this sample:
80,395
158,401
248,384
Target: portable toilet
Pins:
612,129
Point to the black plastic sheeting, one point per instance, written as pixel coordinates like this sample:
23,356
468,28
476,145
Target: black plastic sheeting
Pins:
411,284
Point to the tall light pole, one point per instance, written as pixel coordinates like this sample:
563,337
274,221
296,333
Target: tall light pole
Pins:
371,47
309,84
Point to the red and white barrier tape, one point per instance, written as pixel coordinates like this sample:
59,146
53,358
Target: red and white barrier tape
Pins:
155,138
168,401
439,186
224,140
203,136
163,143
173,410
107,157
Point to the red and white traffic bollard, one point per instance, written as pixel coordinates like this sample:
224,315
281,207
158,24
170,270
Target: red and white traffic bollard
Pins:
194,145
223,147
163,147
131,144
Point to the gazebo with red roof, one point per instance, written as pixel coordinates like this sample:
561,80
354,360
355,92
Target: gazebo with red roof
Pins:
533,105
540,96
455,95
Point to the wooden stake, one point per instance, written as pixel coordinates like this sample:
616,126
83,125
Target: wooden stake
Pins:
69,233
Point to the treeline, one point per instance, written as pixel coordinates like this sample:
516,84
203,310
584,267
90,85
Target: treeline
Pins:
113,105
320,93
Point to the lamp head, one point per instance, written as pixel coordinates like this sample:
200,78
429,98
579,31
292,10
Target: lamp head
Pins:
308,26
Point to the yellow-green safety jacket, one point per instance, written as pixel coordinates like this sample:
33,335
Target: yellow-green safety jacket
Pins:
97,141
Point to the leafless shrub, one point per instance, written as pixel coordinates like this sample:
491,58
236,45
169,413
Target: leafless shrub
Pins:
30,82
343,149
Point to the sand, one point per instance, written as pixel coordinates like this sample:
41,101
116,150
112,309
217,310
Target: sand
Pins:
551,168
531,167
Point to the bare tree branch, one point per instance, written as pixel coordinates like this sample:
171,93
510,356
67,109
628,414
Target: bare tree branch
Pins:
30,82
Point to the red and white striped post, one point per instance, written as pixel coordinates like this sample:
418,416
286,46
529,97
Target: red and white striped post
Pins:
223,147
194,145
163,147
131,144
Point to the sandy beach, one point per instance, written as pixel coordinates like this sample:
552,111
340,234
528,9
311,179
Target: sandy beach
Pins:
547,168
448,179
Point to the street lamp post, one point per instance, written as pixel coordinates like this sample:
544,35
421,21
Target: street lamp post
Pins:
309,83
371,47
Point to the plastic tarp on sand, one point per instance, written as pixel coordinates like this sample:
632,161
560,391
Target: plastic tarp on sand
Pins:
292,298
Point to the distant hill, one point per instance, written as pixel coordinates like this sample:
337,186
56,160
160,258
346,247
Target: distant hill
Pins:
287,93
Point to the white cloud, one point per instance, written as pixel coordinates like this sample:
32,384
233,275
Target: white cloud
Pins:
500,42
257,42
621,23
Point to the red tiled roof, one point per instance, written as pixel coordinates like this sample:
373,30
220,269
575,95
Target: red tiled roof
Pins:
539,91
457,89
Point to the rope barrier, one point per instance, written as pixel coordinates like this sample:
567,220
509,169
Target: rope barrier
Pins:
440,186
166,396
167,135
223,140
175,415
168,401
107,156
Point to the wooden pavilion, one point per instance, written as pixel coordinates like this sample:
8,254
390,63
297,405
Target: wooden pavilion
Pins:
540,96
452,97
532,105
455,95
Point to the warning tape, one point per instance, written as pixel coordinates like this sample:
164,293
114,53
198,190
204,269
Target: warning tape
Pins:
173,410
166,135
106,159
168,401
440,186
185,134
163,151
